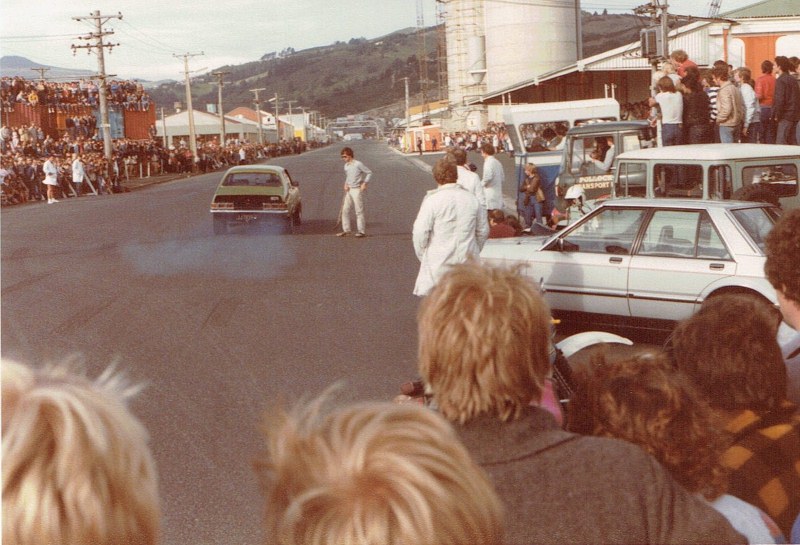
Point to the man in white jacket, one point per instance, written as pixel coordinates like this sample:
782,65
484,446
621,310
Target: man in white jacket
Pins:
466,178
451,227
78,174
50,178
493,178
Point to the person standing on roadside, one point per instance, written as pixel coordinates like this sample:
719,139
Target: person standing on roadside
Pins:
752,117
466,178
730,106
451,227
50,178
493,178
765,91
78,174
357,176
786,105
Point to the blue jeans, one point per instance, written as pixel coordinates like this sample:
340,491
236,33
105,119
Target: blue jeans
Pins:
727,135
785,128
671,134
752,133
766,133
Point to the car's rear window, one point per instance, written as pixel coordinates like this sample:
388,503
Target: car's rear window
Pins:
262,179
758,222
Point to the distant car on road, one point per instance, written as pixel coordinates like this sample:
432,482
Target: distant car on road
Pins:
646,263
256,193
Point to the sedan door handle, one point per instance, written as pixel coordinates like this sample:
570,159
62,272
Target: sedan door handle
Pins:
615,260
717,266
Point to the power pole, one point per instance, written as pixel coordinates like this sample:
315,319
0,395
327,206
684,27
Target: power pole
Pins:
277,122
258,113
189,107
219,76
291,119
99,47
41,72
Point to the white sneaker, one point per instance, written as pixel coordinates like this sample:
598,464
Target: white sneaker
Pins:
52,201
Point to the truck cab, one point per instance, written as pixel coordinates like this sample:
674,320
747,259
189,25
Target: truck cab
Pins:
591,150
710,171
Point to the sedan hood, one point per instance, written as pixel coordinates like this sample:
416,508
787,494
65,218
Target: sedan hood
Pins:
502,248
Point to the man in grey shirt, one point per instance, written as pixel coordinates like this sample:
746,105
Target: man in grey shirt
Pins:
357,175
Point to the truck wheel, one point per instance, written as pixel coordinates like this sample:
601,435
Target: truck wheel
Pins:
220,226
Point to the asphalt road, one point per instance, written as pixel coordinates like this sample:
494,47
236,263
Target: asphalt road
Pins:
220,328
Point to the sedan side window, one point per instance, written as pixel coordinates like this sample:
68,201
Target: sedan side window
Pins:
671,233
610,231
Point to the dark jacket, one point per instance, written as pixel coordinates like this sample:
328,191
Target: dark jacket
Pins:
696,109
786,105
559,487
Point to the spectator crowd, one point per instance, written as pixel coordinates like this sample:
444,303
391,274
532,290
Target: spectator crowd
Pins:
695,443
25,148
727,104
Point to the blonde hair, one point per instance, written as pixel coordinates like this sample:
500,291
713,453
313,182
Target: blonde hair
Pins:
484,340
373,474
76,465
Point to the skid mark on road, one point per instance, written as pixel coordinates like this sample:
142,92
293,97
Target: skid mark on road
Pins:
82,317
221,314
33,280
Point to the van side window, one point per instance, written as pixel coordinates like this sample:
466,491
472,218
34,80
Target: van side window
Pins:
544,136
781,178
631,180
678,181
720,182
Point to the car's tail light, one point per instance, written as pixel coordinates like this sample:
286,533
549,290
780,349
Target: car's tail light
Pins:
221,206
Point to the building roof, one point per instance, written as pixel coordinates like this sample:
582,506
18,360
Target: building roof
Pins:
766,8
627,57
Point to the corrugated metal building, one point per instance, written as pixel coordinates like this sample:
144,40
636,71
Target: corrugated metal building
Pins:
743,37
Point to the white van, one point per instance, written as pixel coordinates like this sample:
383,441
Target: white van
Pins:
711,171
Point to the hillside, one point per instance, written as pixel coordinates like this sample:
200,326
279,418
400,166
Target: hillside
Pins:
360,75
339,79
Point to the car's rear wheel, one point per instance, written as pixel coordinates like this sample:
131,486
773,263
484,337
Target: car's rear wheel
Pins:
298,215
220,225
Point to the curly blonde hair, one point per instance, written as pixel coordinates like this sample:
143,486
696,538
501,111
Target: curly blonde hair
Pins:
484,341
77,468
373,474
645,401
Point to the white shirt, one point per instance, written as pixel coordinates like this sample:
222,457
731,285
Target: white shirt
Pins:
78,172
751,107
671,108
50,173
451,227
493,178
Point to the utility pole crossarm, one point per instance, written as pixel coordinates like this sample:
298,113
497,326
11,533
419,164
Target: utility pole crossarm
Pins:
99,47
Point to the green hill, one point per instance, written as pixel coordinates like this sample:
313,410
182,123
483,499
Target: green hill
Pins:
358,76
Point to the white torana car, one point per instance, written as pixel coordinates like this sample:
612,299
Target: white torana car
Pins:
646,262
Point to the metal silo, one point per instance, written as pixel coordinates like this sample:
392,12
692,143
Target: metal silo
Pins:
525,38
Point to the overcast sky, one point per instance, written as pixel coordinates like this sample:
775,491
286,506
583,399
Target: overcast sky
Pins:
225,31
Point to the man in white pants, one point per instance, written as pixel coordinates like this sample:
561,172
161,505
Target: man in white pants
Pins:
357,177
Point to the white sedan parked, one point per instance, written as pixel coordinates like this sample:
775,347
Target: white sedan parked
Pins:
646,262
